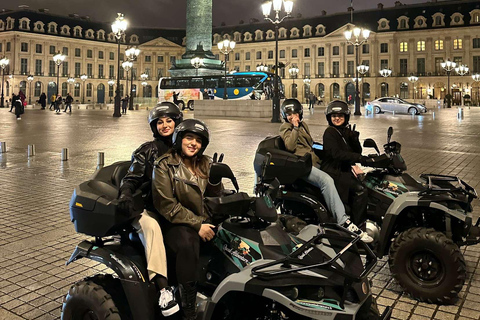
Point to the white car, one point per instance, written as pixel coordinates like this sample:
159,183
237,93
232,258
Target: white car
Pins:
387,104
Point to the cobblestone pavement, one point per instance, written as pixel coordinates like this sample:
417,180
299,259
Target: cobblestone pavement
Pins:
37,237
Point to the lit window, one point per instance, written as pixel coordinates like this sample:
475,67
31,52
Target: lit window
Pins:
403,46
420,45
457,44
438,44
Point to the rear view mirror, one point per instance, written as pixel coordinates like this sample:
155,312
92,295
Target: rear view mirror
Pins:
370,143
389,134
221,170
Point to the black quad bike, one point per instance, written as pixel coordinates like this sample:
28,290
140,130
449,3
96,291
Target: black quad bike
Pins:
420,223
252,269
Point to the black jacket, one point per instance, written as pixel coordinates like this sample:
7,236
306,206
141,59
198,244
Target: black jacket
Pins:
141,168
341,151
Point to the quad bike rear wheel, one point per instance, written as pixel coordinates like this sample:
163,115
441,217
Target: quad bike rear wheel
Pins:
428,265
369,311
90,299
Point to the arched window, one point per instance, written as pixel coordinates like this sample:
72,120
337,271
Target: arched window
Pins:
384,89
335,92
294,90
321,90
38,89
403,90
23,86
76,90
64,89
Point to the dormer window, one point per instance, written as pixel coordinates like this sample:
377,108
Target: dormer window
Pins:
457,19
65,30
237,36
101,35
216,38
89,34
320,30
403,22
383,24
282,33
307,31
248,36
77,32
24,25
111,37
475,16
420,22
294,33
270,34
52,27
39,27
2,25
438,19
258,35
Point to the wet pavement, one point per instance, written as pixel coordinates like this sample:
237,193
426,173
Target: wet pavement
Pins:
37,237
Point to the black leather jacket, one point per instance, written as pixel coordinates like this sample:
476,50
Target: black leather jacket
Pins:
141,168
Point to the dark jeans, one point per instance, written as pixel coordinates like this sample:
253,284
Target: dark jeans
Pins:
68,105
182,244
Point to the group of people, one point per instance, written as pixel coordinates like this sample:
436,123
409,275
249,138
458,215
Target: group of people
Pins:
19,102
175,222
56,102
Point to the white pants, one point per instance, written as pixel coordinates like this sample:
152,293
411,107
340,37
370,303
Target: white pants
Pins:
148,228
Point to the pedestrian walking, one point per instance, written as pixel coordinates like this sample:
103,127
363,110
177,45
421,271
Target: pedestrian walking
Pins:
19,109
13,102
311,101
22,98
175,98
58,103
53,99
68,102
43,100
125,104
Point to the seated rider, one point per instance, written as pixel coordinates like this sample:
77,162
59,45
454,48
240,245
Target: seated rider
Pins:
296,136
163,119
180,183
342,150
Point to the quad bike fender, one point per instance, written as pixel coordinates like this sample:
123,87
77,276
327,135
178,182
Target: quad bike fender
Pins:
411,199
134,283
308,200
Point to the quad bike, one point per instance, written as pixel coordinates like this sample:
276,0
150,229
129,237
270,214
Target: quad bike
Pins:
420,223
252,269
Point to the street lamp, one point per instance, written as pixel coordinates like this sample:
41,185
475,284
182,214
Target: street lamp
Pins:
462,70
127,65
70,80
131,54
307,82
293,74
362,70
413,79
58,59
83,77
476,79
144,77
448,66
118,28
277,7
30,79
386,73
360,36
197,63
3,64
226,46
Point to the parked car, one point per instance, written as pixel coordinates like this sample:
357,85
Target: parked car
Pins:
388,104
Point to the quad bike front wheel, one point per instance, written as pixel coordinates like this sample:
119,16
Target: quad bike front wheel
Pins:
89,300
428,265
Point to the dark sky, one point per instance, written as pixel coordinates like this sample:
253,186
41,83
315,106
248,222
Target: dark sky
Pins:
171,13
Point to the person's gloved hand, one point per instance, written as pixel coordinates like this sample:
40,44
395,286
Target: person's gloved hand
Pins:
125,203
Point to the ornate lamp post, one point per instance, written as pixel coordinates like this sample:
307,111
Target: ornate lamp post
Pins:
58,59
197,63
71,81
360,36
30,79
307,82
226,46
144,78
111,83
448,66
293,74
462,70
83,77
132,54
413,79
3,64
266,9
476,79
386,73
127,65
118,28
362,70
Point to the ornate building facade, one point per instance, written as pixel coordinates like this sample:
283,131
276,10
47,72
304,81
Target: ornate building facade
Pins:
408,39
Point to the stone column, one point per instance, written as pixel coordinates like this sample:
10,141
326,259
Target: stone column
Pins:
199,24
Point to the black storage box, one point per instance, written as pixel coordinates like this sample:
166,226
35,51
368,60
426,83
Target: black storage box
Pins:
283,165
93,207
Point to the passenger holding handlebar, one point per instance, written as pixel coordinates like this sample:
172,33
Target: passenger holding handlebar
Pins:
296,136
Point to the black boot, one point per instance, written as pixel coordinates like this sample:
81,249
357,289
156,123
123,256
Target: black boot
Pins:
188,294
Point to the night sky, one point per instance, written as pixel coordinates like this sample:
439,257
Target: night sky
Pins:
171,13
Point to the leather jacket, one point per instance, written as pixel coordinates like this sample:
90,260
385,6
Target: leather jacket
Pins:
178,195
141,168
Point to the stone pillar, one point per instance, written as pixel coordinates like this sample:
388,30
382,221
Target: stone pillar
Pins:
199,24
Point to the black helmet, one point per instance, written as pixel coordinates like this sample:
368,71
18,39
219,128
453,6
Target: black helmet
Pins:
164,109
337,107
194,126
291,106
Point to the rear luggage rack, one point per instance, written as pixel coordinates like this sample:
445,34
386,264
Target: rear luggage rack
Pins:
432,178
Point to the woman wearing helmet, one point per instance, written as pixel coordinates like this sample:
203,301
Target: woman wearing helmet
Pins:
296,136
180,183
342,148
162,119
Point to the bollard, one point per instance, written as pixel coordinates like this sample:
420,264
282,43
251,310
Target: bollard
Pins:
433,115
3,147
64,156
31,150
394,113
100,159
460,113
